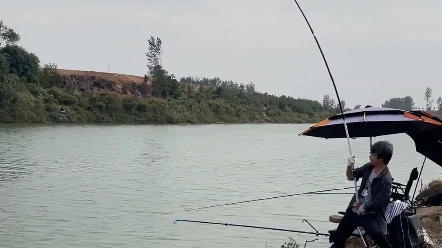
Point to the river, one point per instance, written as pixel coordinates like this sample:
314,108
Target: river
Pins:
123,186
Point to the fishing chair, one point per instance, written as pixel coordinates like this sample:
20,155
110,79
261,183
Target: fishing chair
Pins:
402,192
399,192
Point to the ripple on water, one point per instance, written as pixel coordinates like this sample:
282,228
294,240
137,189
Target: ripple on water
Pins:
123,186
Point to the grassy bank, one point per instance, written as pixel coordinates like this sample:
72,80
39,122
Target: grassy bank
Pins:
30,93
433,188
25,102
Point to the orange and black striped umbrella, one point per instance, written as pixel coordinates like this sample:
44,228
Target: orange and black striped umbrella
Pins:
372,122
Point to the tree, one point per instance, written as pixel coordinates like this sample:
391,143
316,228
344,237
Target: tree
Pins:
342,104
428,95
7,35
158,75
332,104
4,64
160,82
154,53
327,102
358,106
408,103
21,62
175,89
404,103
439,104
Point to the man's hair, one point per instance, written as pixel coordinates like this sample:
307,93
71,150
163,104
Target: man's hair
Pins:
383,150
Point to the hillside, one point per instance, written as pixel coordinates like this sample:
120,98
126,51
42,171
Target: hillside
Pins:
31,93
123,81
110,76
123,84
60,95
95,82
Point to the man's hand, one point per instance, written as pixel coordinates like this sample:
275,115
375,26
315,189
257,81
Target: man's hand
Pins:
351,161
350,168
357,205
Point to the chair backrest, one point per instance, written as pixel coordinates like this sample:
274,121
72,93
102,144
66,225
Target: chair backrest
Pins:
402,192
413,176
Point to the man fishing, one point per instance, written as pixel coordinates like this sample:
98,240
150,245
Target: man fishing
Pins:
374,196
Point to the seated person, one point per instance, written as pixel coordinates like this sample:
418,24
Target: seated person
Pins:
374,196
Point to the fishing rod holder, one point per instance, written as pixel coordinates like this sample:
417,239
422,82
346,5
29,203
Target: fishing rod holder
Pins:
316,230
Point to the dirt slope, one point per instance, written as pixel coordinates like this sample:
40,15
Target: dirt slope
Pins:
113,77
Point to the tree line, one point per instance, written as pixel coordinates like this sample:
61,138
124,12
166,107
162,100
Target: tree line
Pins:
165,85
31,93
407,102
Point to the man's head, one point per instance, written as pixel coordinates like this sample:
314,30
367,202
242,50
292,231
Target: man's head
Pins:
381,153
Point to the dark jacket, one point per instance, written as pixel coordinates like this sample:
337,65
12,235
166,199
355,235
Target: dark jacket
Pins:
380,192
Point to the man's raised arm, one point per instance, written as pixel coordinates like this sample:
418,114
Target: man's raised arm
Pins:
351,173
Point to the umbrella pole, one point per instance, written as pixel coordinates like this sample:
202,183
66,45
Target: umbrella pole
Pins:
420,174
371,142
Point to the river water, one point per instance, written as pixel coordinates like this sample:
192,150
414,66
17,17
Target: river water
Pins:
123,186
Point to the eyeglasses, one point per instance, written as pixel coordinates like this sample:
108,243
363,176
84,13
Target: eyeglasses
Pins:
373,154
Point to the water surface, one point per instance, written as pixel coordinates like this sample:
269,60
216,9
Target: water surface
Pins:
123,186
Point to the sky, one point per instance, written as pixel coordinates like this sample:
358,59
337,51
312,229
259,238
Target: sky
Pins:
376,49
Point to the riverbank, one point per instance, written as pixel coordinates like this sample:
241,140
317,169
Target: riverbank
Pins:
34,94
97,97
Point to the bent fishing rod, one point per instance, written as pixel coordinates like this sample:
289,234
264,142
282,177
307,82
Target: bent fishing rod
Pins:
336,91
257,227
272,197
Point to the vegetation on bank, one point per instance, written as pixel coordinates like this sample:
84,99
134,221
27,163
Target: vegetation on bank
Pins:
31,93
433,188
407,103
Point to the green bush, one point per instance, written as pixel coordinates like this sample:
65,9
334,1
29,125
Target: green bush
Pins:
68,100
21,62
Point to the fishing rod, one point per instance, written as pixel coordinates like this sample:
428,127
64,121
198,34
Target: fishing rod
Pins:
333,193
257,227
336,91
268,198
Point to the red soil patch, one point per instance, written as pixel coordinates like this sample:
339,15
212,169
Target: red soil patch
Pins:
114,77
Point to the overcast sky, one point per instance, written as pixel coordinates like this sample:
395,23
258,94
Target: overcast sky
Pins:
376,49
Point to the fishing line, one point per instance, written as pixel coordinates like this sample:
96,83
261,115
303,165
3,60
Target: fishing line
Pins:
336,91
268,198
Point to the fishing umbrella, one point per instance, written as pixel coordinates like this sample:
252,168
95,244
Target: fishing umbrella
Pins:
372,122
424,114
429,144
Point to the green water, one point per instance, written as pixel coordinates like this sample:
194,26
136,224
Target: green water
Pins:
123,186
